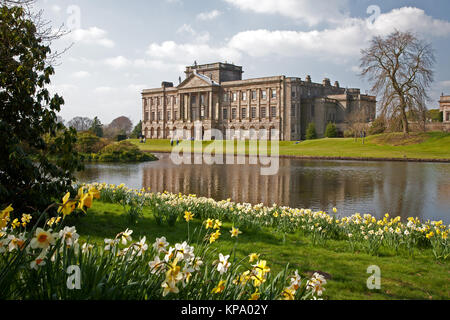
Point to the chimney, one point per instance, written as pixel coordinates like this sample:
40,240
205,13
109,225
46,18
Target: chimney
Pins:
336,84
326,82
308,78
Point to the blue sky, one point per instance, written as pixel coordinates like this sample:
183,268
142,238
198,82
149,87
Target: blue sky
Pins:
122,47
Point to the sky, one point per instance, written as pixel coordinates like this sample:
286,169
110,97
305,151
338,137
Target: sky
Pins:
118,48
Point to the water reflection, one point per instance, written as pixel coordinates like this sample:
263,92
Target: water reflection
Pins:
406,189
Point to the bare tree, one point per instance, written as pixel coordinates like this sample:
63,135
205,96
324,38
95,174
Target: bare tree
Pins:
44,29
80,124
400,68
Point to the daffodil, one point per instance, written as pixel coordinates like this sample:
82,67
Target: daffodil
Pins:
254,257
209,224
235,232
68,206
217,224
255,296
85,201
188,216
42,240
220,287
223,265
160,244
169,288
288,294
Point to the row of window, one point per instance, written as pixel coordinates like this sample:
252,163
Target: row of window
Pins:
243,95
158,101
273,113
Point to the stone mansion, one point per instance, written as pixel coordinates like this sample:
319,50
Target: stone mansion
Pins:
214,96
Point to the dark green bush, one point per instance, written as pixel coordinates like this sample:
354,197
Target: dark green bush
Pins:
124,151
331,131
311,133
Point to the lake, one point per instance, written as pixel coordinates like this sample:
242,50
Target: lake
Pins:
398,188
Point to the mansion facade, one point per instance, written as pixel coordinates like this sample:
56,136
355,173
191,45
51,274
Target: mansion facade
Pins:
214,96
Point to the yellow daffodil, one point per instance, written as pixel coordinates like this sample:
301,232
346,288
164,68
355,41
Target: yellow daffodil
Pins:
209,224
220,287
255,296
217,224
188,216
85,201
288,294
15,223
254,257
4,216
235,232
68,205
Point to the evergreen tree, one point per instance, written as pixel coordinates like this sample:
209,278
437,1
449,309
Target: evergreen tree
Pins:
331,131
137,131
97,127
311,133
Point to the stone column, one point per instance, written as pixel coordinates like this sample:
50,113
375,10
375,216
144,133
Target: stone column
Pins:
210,103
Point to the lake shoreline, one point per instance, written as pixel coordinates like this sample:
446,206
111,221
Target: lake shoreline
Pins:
366,159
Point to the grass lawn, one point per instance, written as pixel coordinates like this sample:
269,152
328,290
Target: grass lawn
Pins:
402,277
433,145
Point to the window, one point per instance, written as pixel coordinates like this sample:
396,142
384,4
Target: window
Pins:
234,96
146,117
233,113
448,116
244,113
153,116
253,113
273,111
244,96
225,114
168,115
274,94
194,99
293,94
264,94
159,115
253,95
263,112
175,115
313,111
293,107
225,97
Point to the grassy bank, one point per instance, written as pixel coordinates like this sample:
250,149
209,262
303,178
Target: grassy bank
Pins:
433,145
403,277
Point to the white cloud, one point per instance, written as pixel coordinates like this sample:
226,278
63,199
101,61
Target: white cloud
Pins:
118,62
92,35
81,74
312,12
445,84
346,40
104,89
211,15
56,9
189,52
201,37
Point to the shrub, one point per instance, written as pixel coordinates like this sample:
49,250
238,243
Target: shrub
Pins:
124,151
349,134
331,131
311,132
377,127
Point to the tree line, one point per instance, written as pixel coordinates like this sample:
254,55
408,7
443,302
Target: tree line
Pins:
121,127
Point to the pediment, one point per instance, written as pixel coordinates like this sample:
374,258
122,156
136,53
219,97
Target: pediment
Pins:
196,81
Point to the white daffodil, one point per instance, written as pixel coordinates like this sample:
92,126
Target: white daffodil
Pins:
85,248
110,243
43,239
296,281
157,266
38,262
184,251
126,236
170,254
161,244
69,236
169,287
223,265
141,246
